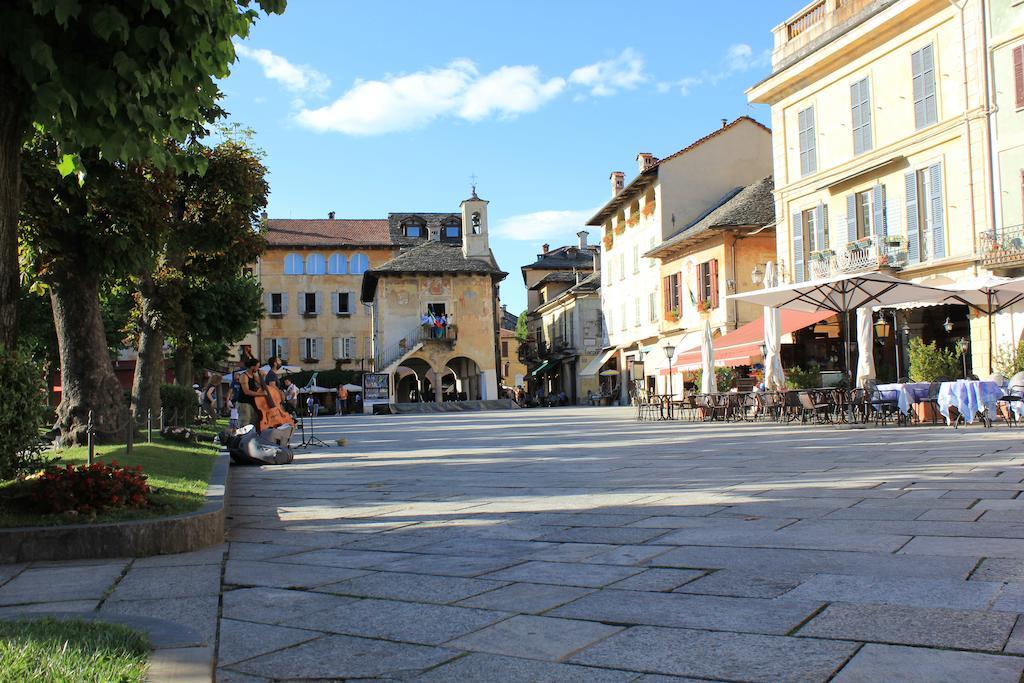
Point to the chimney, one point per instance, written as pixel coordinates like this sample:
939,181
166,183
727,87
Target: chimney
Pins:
330,215
725,122
544,248
645,160
583,234
618,179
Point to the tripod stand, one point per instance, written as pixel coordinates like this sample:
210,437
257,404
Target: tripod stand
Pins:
312,440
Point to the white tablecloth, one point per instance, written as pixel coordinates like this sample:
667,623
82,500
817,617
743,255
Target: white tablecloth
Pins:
907,394
969,398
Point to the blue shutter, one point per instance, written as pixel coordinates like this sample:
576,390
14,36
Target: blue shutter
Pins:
798,247
938,227
851,217
913,219
878,210
819,227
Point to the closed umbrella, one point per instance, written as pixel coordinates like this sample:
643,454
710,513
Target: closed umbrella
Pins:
865,352
708,384
774,376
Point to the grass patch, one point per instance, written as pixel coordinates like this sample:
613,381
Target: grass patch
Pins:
74,650
178,472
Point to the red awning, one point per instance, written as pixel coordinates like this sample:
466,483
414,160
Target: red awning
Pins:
742,346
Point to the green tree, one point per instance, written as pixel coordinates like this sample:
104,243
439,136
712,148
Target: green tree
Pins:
74,238
522,331
193,291
115,76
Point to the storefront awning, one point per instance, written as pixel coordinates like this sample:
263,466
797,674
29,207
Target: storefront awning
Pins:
594,366
742,346
540,368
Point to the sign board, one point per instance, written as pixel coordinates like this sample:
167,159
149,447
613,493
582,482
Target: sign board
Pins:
375,388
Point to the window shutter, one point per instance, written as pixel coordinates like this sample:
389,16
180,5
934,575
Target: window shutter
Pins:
269,303
798,247
284,303
302,348
336,348
302,303
1018,74
350,347
666,283
913,219
878,210
268,348
677,294
938,220
851,217
282,349
319,301
334,303
713,267
820,229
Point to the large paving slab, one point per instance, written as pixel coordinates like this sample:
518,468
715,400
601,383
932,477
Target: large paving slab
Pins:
919,665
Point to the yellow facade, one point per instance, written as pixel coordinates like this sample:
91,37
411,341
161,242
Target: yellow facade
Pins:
881,140
513,371
334,334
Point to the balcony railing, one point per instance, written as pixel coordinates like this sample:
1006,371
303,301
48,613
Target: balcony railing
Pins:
1004,247
814,20
864,255
431,333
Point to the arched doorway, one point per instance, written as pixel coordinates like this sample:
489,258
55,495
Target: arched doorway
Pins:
468,381
409,381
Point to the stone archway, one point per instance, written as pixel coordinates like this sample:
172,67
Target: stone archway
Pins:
409,381
468,378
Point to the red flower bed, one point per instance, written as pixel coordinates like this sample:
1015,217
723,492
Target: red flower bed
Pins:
88,489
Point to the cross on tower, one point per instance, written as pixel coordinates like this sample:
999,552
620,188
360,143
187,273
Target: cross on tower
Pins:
472,181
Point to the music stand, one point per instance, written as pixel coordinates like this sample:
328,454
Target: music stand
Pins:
312,440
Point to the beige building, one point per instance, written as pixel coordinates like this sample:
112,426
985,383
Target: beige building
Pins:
512,372
881,146
665,198
449,278
311,274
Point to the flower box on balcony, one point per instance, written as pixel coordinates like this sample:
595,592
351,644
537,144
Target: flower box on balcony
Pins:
894,240
620,228
608,241
860,245
633,220
648,209
672,316
823,255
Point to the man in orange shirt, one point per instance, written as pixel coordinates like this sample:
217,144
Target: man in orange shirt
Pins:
342,400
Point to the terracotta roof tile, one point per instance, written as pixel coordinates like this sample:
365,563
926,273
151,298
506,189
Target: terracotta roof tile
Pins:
324,232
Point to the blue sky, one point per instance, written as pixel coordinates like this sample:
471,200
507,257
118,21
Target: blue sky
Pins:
365,108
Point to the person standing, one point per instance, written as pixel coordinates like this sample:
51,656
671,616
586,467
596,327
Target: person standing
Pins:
252,386
342,400
291,396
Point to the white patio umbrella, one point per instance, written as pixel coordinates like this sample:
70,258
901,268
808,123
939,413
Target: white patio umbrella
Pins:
708,383
842,294
865,352
774,376
988,294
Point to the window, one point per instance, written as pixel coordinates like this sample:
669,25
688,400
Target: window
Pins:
624,316
652,308
311,348
808,142
358,264
599,323
277,303
452,230
922,64
860,104
504,349
1018,75
342,303
636,258
672,293
293,264
310,304
316,264
622,266
344,348
276,347
707,282
414,229
651,262
611,320
863,215
437,309
809,230
337,264
636,312
926,230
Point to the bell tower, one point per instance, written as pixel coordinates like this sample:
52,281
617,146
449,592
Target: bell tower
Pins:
474,227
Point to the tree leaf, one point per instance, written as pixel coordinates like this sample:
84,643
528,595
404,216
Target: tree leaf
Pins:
67,165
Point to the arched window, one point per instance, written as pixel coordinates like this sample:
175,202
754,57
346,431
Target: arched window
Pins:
358,264
293,264
315,264
337,265
452,229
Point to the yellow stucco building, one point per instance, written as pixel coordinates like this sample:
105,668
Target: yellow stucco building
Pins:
436,314
881,147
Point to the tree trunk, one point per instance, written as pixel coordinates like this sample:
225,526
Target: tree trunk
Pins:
183,364
10,201
88,382
149,367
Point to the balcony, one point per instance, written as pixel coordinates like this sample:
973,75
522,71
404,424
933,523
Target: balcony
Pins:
430,334
864,255
1003,248
794,36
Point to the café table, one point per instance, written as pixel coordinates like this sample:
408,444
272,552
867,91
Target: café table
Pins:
969,397
906,394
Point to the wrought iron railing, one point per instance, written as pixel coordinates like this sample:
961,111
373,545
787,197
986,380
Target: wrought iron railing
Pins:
432,333
870,253
1003,246
387,355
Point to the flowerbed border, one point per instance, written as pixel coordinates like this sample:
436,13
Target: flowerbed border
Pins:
130,538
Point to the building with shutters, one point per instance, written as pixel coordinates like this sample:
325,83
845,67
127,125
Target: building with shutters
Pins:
434,307
880,114
311,274
667,197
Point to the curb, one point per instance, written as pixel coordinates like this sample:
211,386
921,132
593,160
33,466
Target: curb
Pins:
179,653
132,538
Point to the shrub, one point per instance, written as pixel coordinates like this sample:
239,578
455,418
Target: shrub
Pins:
928,363
1008,359
90,489
180,400
798,378
724,378
22,409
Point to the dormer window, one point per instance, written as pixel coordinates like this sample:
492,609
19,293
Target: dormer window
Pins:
452,230
414,229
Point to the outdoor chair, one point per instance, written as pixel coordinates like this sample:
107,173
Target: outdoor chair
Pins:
813,408
933,400
858,401
648,407
882,409
688,408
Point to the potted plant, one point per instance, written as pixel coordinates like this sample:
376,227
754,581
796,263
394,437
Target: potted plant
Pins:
894,240
704,307
608,241
928,363
633,220
673,315
648,209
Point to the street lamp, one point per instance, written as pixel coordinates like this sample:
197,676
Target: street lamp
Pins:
670,351
757,275
948,325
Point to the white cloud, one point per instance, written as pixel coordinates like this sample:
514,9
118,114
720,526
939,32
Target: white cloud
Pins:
556,226
295,78
607,77
410,101
737,59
